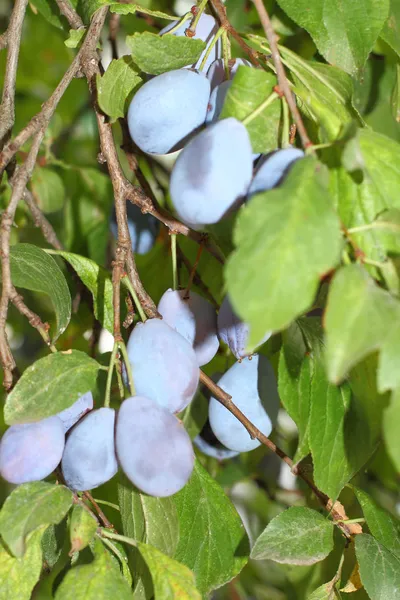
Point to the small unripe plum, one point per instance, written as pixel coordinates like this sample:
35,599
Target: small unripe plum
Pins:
31,451
195,319
166,109
272,168
212,173
252,385
153,447
89,456
71,415
164,365
233,331
206,29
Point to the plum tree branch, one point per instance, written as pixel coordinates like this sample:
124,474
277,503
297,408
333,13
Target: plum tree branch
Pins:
220,11
72,16
280,71
40,221
3,40
335,509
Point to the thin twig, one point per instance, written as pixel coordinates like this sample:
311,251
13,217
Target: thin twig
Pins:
7,106
3,40
97,508
113,29
197,280
72,16
280,71
34,319
225,399
220,10
40,221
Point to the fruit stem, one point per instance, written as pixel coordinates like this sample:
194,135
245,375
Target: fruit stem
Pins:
116,536
174,265
260,108
199,11
285,125
185,18
132,292
110,374
210,47
128,368
226,53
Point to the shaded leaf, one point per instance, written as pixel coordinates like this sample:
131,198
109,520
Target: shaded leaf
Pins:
114,87
30,506
131,9
343,31
249,89
156,54
379,568
389,360
48,189
391,30
391,420
171,580
33,269
18,576
298,536
295,227
358,317
50,385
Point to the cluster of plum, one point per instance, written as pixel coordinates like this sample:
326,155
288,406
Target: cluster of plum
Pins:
177,114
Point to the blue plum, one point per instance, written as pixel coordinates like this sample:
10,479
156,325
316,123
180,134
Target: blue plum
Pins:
233,331
213,449
272,168
164,365
153,448
216,101
31,451
252,385
89,456
195,319
216,73
206,29
167,109
74,413
143,228
212,173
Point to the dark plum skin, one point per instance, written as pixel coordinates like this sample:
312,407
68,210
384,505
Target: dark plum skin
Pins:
252,385
164,365
233,331
71,415
168,108
153,448
212,173
195,319
89,455
143,228
215,451
272,168
216,73
216,101
206,29
31,451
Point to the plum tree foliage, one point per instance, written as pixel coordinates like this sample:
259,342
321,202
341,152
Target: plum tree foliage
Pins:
200,299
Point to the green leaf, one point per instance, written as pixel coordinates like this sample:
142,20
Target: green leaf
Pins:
294,384
50,385
383,526
325,591
199,527
99,580
49,11
82,528
114,87
30,506
131,9
98,282
75,37
358,317
298,536
338,435
389,361
250,88
18,576
33,269
48,189
379,568
391,421
391,31
295,227
171,580
343,31
156,54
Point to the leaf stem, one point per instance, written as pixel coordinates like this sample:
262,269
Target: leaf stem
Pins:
107,503
181,21
375,225
174,265
110,374
128,368
116,536
285,140
260,108
132,292
210,47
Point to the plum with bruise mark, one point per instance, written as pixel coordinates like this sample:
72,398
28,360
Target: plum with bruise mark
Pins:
153,448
